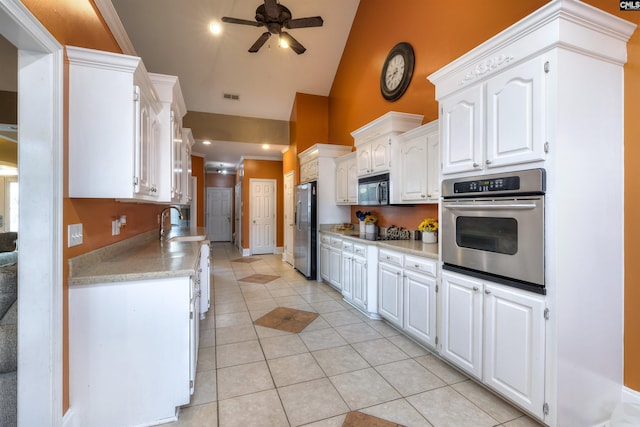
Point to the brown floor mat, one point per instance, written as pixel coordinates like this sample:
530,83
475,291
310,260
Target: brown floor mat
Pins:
259,278
287,319
358,419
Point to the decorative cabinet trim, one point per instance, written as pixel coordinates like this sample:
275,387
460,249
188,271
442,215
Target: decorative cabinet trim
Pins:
486,66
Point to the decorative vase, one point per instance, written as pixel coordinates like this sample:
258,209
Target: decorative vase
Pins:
429,237
361,227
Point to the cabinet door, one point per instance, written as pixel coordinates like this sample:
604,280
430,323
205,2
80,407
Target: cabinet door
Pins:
380,154
433,166
324,263
144,145
390,293
342,196
413,161
186,173
347,276
420,307
176,159
461,125
335,267
359,271
462,322
364,159
515,345
352,181
516,115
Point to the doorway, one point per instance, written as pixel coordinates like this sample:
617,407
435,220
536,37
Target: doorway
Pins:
288,217
40,166
218,219
262,205
238,217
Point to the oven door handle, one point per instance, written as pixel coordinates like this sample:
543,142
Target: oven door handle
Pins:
512,206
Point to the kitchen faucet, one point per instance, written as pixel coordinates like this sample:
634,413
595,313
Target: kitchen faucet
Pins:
162,220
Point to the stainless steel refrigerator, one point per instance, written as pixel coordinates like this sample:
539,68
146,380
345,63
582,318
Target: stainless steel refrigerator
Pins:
305,230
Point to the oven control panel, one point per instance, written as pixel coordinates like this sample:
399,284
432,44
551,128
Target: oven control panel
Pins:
509,183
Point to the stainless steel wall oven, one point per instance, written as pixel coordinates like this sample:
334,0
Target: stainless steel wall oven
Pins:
493,227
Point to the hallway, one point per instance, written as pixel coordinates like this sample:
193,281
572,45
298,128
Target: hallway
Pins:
251,375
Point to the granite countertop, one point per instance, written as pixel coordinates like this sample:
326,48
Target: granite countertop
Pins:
141,257
413,247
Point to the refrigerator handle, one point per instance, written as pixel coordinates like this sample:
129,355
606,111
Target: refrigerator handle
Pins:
299,202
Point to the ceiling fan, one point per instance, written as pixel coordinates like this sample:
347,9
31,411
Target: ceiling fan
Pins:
274,17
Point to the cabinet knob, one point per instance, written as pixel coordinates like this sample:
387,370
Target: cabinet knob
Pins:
476,289
475,165
488,162
429,195
417,266
423,196
487,291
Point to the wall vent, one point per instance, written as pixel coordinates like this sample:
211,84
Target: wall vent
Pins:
231,96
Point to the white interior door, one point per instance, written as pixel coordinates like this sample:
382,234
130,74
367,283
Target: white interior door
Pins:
288,217
262,220
219,214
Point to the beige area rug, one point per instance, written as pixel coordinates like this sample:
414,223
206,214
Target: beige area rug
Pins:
287,319
358,419
246,260
259,278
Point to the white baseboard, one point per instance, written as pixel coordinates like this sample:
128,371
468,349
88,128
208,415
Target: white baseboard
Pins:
630,396
279,250
245,252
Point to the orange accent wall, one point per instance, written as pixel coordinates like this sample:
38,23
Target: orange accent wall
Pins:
220,180
263,169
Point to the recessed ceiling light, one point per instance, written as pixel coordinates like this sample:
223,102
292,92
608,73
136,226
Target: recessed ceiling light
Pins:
207,142
215,28
265,146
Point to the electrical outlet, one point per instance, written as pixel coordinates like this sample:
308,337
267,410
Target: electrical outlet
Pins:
74,235
115,227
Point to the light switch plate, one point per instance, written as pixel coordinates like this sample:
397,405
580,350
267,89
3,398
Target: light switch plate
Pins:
74,237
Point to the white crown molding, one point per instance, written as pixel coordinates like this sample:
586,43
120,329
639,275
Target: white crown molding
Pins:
114,23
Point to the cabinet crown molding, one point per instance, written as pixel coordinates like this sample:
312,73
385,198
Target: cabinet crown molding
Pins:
390,122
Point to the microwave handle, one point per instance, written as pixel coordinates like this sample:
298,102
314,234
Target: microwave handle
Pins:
514,206
378,192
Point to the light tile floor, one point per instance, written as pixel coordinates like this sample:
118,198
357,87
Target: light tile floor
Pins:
255,376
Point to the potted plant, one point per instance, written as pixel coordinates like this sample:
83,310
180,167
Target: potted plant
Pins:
429,229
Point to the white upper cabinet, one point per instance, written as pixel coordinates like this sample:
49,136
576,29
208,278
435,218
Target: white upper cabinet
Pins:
374,141
418,166
347,180
500,122
187,143
113,127
170,155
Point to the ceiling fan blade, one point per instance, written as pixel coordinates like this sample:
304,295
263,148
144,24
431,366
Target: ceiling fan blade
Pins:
241,21
271,7
313,21
293,43
261,40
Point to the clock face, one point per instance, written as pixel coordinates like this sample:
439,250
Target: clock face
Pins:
397,71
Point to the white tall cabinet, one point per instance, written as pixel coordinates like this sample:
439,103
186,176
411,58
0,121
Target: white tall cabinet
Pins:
419,165
546,92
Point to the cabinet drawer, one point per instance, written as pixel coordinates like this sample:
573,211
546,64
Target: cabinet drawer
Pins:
420,265
390,257
360,249
325,239
336,242
347,246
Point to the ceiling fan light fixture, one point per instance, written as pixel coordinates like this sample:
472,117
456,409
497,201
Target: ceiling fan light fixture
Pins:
215,28
283,43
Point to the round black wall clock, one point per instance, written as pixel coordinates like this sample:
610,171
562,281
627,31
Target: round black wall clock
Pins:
397,71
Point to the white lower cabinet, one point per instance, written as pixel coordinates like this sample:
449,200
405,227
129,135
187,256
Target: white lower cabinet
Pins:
407,294
335,263
390,292
132,346
420,307
510,323
324,258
